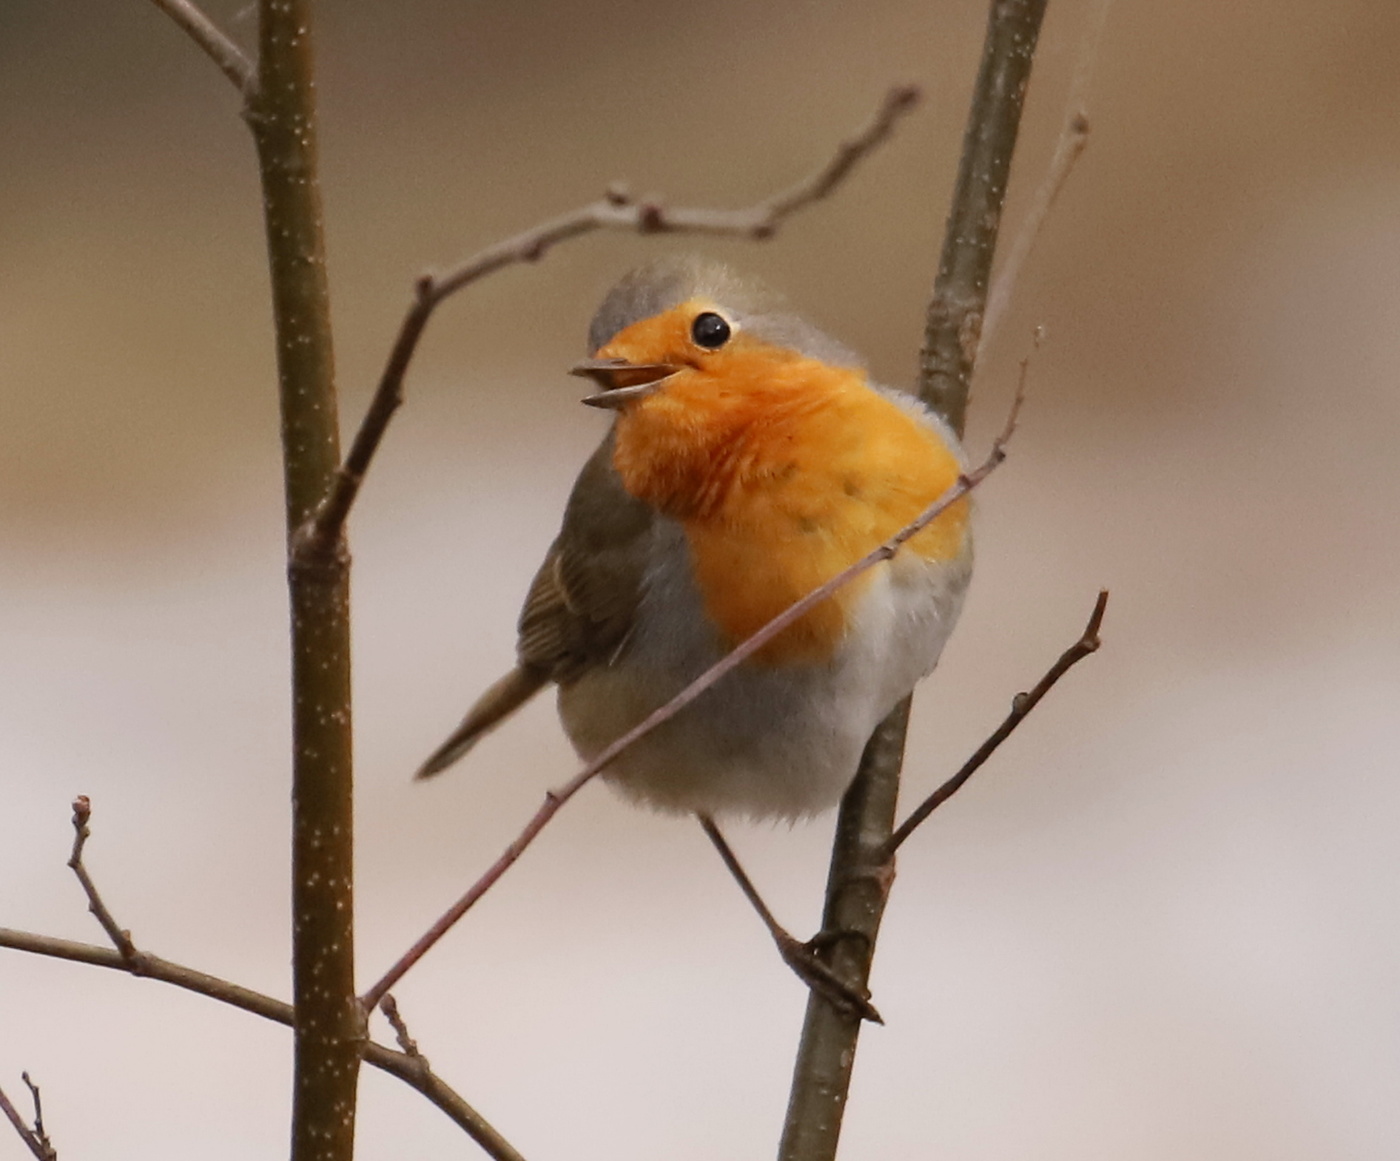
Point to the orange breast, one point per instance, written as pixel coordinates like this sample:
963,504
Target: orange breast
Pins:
794,472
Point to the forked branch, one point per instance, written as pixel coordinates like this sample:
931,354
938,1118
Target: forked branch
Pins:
120,937
1074,137
410,1065
1021,706
615,211
35,1137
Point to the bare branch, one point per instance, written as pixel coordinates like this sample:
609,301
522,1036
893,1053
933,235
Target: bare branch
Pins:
615,211
730,661
953,323
412,1071
121,938
218,47
857,890
1021,706
1074,136
36,1139
389,1006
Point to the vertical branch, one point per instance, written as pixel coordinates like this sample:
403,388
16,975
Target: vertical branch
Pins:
856,890
953,325
861,873
329,1022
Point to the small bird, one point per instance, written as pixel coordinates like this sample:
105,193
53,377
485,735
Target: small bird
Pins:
750,459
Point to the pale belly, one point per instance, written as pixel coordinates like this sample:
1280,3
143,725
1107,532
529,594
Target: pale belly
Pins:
769,741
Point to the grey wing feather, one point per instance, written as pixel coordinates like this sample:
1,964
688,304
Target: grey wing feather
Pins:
584,597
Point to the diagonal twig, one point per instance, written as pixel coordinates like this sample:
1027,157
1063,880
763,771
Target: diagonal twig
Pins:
120,937
555,799
412,1071
35,1139
232,61
1021,706
616,211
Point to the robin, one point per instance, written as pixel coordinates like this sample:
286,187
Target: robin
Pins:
750,459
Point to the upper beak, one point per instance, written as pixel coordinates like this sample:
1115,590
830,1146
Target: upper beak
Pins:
621,381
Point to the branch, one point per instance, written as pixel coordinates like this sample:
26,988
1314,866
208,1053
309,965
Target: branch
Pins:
1021,706
411,1070
954,320
736,657
329,1032
218,47
1074,136
120,937
389,1006
36,1138
858,881
616,211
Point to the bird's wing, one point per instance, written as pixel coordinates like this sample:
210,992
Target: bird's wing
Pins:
584,597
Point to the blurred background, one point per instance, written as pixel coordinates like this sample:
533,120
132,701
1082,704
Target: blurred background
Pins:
1163,923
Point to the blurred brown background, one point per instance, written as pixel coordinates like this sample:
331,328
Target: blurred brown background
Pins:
1163,924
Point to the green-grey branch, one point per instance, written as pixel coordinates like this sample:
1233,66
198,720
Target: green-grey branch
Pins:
329,1026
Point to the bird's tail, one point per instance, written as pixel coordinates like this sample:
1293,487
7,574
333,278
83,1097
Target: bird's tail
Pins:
491,708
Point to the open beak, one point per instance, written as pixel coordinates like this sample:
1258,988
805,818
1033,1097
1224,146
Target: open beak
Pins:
622,382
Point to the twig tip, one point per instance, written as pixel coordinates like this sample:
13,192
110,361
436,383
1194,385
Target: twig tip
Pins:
905,96
1091,630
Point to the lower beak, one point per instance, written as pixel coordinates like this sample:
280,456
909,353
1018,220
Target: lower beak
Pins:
622,382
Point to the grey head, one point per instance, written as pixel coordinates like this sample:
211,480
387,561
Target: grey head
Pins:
648,290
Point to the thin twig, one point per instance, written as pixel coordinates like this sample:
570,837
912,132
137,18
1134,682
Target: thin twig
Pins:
555,799
616,211
399,1064
1021,706
35,1138
389,1006
218,47
120,937
1074,136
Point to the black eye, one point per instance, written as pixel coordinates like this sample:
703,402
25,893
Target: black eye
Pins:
709,331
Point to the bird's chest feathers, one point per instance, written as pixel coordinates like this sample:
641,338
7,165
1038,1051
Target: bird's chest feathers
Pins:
778,491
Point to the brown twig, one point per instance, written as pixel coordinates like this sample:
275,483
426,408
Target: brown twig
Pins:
35,1138
1074,136
406,1068
1021,706
616,211
390,1007
120,937
736,657
218,47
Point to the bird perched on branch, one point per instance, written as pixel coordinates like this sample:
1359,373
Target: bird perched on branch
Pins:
750,460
